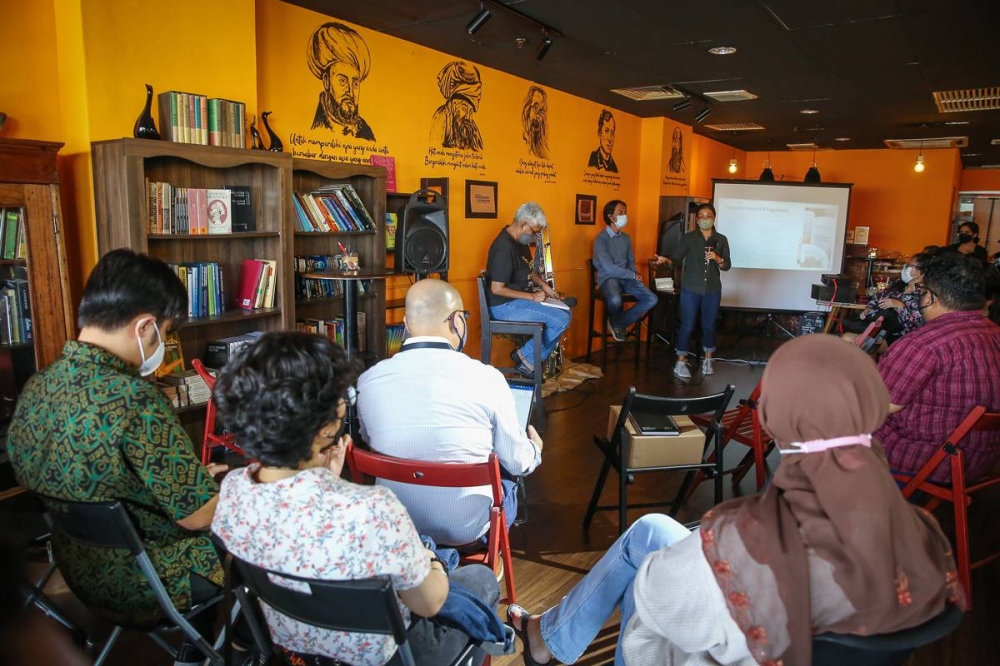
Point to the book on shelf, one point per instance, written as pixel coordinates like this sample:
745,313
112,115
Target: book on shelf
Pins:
257,282
173,356
22,243
192,118
390,170
205,285
334,207
218,352
391,222
6,336
219,209
11,229
242,208
334,329
194,392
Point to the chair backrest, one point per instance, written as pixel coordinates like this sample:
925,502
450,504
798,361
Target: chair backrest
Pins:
593,275
418,472
100,524
884,649
365,606
639,403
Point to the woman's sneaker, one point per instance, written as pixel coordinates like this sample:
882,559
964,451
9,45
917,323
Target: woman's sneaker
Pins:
706,366
681,370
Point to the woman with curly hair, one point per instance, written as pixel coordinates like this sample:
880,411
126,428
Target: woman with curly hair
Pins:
285,398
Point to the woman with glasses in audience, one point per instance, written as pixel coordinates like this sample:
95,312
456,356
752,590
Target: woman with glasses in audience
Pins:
898,303
285,398
829,546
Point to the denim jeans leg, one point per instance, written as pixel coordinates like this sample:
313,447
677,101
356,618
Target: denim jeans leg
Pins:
556,322
569,627
709,316
690,305
645,301
611,293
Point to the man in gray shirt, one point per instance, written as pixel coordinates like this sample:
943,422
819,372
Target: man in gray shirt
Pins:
614,261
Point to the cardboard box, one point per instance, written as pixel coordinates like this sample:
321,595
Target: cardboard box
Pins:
662,450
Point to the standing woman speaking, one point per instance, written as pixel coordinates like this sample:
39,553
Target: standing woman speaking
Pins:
703,254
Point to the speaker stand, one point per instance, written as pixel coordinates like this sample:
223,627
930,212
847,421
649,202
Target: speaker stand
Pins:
761,327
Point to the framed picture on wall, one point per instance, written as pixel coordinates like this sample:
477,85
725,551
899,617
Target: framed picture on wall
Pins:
481,199
586,209
439,185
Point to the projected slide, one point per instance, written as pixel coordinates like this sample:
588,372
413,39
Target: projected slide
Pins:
780,235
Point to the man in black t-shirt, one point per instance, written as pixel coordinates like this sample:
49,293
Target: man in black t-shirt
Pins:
511,273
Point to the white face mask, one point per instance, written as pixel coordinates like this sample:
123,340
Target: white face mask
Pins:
149,365
621,221
907,274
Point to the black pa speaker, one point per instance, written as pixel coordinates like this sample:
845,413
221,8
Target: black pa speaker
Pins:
422,235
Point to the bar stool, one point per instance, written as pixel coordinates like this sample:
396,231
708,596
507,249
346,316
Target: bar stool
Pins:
604,333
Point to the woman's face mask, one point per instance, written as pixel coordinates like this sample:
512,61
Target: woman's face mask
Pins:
907,274
964,237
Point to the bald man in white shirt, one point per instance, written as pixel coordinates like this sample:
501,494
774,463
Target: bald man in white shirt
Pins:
431,402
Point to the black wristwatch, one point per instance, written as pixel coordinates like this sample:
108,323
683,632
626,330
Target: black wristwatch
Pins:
444,568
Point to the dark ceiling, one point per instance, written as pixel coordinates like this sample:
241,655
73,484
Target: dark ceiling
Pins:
869,67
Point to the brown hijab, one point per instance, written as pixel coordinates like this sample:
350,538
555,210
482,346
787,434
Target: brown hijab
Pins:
888,560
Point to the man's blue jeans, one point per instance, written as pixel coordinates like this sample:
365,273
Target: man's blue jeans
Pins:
691,304
556,322
612,290
569,627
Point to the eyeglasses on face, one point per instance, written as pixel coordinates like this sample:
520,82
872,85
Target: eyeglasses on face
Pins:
465,314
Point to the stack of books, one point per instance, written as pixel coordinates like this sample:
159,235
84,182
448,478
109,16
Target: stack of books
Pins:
185,388
205,284
12,245
257,284
334,329
218,352
195,211
15,310
191,118
336,208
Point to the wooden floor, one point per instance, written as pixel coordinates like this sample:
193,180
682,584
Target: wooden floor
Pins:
552,552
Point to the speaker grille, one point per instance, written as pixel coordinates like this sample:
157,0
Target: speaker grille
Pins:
425,249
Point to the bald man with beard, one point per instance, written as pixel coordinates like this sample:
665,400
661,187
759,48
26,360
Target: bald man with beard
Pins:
338,56
433,403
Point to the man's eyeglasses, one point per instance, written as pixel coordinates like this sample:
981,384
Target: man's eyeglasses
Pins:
465,314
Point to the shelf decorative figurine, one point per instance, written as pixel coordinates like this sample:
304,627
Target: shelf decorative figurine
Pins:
145,128
276,145
256,142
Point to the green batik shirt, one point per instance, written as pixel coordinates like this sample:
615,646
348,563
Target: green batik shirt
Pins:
89,428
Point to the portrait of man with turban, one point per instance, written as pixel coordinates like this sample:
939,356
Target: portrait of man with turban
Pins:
601,158
338,56
535,122
453,124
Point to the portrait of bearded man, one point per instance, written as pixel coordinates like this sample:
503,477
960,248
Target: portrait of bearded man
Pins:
453,124
535,122
338,56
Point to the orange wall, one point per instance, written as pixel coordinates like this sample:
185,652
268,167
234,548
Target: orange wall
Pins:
28,89
980,180
904,210
709,160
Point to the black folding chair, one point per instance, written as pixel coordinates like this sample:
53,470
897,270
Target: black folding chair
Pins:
884,649
365,606
108,525
617,450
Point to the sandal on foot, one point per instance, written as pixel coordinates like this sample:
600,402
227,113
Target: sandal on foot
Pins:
522,633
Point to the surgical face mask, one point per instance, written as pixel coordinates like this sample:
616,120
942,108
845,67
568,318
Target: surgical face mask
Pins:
706,223
907,274
965,238
149,365
621,221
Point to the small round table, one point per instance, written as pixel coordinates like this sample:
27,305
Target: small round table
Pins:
350,280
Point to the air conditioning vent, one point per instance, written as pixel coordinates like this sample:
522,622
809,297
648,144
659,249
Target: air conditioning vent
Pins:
736,127
650,93
936,142
731,95
802,146
970,99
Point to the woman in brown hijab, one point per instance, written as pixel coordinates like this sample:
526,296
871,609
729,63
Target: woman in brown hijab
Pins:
831,545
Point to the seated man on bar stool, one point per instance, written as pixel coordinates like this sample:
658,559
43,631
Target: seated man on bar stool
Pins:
614,261
433,403
511,272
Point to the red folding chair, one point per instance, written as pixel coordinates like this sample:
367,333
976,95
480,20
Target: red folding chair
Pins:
741,425
959,494
870,332
210,439
448,475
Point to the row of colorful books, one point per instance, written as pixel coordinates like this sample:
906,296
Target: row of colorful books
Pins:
12,243
191,118
335,207
205,283
313,288
257,282
196,211
15,313
394,336
334,329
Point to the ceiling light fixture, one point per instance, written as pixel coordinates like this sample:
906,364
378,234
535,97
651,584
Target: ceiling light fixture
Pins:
479,20
843,138
722,50
733,164
918,166
701,115
767,175
809,112
683,104
543,46
812,175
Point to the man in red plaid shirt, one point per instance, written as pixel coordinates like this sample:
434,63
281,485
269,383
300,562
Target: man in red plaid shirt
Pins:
939,372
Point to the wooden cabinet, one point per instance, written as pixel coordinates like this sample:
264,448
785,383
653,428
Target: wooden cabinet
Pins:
29,200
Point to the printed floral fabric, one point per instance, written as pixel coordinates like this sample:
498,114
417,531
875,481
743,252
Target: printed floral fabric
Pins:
316,525
89,428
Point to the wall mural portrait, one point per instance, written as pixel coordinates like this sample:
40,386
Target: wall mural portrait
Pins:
453,124
676,163
601,158
338,56
535,122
